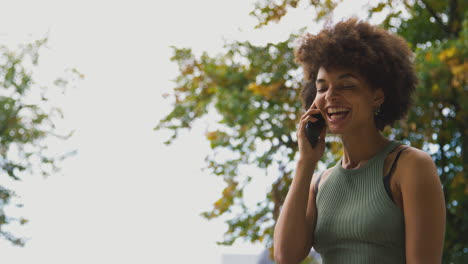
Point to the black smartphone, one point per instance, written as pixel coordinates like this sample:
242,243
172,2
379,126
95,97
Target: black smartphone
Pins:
313,129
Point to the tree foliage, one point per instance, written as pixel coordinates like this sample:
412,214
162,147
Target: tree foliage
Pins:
255,89
26,120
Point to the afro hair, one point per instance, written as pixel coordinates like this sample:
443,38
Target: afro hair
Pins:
382,58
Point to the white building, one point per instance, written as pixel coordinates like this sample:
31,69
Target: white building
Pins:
239,258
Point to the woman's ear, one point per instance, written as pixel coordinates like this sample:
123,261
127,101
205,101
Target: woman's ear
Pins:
379,96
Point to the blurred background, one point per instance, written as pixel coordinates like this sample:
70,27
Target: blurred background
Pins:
164,131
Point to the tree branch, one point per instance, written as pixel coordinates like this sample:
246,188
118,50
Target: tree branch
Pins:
453,17
436,17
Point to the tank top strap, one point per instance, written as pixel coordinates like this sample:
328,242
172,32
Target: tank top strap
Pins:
389,148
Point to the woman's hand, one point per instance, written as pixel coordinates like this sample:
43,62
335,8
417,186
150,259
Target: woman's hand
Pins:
306,151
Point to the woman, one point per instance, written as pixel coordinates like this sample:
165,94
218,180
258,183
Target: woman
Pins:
383,201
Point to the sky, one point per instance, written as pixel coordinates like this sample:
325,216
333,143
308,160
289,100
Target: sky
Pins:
125,197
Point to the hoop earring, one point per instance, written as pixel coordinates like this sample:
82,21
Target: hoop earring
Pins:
377,110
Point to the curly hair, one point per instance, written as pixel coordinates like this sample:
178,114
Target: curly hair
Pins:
383,59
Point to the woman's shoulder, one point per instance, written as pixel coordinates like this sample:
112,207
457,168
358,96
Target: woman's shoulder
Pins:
415,166
412,156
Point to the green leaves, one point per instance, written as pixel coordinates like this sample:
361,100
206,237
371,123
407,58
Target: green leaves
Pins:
25,121
255,91
267,11
441,119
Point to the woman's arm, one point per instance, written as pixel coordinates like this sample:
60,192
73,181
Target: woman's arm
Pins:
424,208
292,238
293,230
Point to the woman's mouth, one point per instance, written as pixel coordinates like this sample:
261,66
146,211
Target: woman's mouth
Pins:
337,114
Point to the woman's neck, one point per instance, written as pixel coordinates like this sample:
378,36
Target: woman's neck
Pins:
360,147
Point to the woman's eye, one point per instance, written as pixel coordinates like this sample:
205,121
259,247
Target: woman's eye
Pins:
321,90
348,86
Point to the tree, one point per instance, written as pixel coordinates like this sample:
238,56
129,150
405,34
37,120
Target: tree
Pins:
26,121
255,89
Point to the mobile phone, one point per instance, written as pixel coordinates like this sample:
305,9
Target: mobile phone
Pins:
313,129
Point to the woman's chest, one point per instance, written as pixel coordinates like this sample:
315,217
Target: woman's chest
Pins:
357,209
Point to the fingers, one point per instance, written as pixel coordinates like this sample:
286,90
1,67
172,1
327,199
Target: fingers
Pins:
309,112
303,122
313,106
308,118
305,119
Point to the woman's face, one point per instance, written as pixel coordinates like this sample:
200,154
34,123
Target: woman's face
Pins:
345,100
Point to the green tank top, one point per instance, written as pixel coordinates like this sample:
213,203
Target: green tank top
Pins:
357,222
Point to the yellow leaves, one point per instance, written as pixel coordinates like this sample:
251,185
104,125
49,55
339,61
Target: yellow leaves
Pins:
211,136
181,89
428,56
218,138
407,127
447,54
458,67
336,148
187,70
266,91
229,190
325,8
271,251
211,90
378,8
460,74
435,88
322,13
387,130
223,203
219,202
254,88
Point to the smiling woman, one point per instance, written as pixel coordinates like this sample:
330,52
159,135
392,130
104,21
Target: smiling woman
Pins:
382,202
337,82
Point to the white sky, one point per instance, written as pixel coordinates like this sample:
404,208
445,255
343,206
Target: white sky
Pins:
125,197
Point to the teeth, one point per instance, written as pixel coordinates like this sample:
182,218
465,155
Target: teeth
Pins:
338,116
336,110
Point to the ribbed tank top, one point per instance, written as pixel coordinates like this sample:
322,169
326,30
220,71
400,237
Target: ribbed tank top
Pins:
357,222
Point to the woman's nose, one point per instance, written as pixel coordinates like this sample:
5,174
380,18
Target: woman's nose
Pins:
331,94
